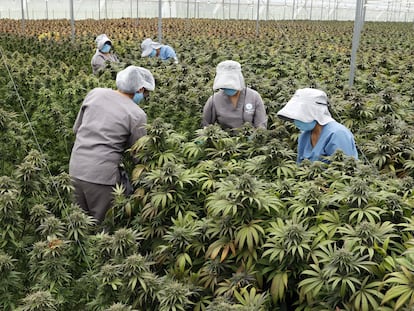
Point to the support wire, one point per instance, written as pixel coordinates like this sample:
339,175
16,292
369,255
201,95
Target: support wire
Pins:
38,145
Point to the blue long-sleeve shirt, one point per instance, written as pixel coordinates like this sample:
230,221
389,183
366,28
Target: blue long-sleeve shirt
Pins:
333,136
167,52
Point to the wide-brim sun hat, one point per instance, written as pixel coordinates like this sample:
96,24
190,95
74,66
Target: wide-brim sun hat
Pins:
148,45
229,76
307,105
101,40
133,78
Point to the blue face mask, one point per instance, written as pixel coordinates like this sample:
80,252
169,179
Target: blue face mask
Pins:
229,92
138,97
305,126
153,53
106,48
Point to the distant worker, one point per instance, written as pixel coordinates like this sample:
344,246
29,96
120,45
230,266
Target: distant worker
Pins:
320,134
103,53
109,122
154,49
234,104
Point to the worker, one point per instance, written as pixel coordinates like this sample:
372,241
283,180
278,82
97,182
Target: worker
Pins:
103,54
320,134
154,49
108,123
233,104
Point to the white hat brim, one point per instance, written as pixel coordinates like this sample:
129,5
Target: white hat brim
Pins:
148,49
225,80
305,110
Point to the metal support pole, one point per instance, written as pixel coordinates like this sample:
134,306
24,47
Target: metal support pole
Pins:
329,9
23,23
257,18
388,11
322,10
188,8
399,12
99,9
267,10
106,9
72,20
137,13
336,9
358,24
238,9
293,10
311,8
47,11
159,21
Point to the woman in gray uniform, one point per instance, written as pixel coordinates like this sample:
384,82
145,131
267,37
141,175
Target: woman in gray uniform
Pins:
108,123
103,53
234,104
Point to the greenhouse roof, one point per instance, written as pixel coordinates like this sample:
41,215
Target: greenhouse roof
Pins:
376,10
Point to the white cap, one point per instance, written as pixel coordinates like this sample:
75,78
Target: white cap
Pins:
228,76
132,78
101,40
307,105
147,46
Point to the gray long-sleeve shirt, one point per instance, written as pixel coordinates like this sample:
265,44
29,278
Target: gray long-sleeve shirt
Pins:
107,124
99,59
250,108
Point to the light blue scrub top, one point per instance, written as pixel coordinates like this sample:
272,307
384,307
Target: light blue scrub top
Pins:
166,52
333,136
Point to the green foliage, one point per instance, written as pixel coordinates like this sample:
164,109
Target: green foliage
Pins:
219,220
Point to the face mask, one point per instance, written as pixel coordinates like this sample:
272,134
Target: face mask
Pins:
305,126
138,97
153,53
106,48
229,92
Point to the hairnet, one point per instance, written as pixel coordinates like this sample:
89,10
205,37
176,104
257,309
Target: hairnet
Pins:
307,105
147,45
100,41
229,76
132,78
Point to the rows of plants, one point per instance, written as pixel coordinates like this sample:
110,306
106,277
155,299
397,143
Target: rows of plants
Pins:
217,222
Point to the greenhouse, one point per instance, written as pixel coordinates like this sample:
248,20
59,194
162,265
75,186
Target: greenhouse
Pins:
207,155
376,10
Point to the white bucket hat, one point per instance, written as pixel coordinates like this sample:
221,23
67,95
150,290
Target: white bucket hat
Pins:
307,105
228,76
148,45
101,40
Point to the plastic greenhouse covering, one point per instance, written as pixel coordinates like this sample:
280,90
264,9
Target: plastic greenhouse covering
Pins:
376,10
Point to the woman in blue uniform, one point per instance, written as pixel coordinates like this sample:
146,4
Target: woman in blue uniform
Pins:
320,134
154,49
